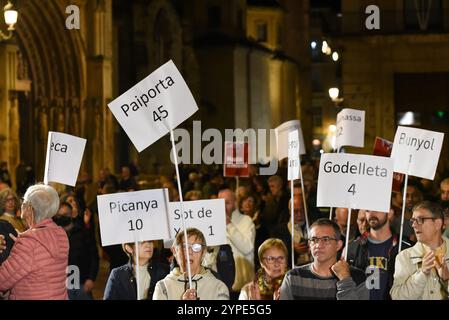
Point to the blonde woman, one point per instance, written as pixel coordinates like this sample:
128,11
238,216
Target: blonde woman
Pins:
273,260
10,208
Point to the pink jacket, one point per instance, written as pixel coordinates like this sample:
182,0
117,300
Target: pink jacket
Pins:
36,267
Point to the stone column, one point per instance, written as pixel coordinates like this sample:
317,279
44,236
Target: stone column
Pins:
9,119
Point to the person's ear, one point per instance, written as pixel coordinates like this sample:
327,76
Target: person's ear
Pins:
440,223
129,249
339,245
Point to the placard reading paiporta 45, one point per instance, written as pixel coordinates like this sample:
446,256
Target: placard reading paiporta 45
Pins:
154,106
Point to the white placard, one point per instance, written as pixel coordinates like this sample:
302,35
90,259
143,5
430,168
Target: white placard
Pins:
208,216
155,105
133,216
64,156
350,128
282,132
293,155
356,181
420,147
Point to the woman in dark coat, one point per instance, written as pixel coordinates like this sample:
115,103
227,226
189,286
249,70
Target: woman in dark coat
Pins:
122,284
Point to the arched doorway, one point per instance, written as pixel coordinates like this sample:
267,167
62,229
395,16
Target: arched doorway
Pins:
53,82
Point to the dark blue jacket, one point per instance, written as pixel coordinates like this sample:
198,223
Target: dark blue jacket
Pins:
121,284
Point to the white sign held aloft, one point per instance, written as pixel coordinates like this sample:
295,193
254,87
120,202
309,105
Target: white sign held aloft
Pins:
350,128
282,132
64,156
293,155
416,151
208,216
355,181
155,105
133,216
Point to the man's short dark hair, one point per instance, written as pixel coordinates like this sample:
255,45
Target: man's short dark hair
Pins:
433,207
328,223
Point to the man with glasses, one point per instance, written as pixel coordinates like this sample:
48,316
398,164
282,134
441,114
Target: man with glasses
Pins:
422,271
375,252
325,278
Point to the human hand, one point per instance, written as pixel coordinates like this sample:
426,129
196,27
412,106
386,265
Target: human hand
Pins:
277,294
442,269
301,247
254,292
190,294
88,285
341,269
87,216
428,262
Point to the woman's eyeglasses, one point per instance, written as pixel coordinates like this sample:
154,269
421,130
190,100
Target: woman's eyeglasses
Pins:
196,247
272,260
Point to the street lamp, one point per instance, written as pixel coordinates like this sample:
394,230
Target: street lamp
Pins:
10,15
333,94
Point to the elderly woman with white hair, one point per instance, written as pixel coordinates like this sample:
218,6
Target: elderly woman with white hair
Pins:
36,266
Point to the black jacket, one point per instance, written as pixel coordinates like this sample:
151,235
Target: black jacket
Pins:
5,229
358,256
121,284
83,252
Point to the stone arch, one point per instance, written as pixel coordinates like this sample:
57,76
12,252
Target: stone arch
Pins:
56,60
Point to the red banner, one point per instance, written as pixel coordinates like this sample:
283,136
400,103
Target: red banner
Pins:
383,148
236,159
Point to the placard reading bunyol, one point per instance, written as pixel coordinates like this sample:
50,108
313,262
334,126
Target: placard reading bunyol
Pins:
355,181
416,151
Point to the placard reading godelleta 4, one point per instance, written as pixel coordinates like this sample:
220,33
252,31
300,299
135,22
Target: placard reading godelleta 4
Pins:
356,181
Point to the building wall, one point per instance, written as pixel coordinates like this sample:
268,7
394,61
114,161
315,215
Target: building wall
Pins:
370,62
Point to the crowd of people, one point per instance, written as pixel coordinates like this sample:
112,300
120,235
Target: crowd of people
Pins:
45,229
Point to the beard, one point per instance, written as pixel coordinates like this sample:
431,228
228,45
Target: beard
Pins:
377,224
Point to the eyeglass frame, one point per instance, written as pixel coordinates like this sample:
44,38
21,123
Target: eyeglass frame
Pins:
274,260
190,245
422,219
316,240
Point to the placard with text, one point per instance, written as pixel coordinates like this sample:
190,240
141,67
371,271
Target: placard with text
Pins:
355,181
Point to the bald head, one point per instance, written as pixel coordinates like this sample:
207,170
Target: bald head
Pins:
230,200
